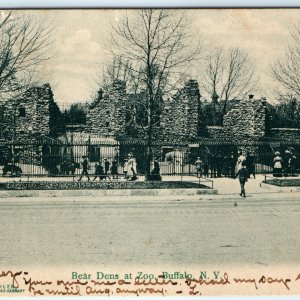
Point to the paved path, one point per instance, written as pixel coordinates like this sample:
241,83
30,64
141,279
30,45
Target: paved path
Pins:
185,231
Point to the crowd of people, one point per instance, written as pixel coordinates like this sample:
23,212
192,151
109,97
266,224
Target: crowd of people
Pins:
219,165
106,170
235,166
286,164
209,164
243,166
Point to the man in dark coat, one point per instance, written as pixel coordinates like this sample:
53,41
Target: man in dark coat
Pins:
213,165
155,173
232,164
286,162
106,166
242,174
250,164
84,168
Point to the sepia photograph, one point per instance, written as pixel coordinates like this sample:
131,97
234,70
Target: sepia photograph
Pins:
149,152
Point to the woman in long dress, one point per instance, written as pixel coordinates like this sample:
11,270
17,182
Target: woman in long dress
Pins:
277,167
131,168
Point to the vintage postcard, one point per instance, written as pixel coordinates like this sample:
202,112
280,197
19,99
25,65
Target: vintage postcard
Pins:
149,152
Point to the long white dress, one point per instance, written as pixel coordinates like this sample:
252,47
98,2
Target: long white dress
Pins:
240,160
131,167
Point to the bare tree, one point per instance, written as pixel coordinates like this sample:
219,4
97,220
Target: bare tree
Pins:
119,68
24,45
228,75
286,70
160,48
116,69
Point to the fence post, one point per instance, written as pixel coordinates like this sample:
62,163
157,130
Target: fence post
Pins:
181,172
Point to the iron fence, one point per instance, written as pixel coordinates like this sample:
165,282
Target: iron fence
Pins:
60,158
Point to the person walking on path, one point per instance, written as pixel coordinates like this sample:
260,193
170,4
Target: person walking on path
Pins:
131,168
114,169
85,165
243,176
106,166
277,168
199,165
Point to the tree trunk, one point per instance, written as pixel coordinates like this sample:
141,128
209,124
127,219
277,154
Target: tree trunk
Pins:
148,161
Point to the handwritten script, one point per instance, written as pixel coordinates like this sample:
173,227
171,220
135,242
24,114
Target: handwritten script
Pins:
160,284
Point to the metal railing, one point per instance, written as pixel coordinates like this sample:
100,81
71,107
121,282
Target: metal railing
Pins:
55,158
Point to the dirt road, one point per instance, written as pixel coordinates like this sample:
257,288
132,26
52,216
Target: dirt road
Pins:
186,231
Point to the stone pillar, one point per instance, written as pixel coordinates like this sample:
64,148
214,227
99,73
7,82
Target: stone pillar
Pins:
180,117
30,112
106,115
246,122
118,111
191,98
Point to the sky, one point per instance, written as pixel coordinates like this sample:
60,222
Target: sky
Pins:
81,39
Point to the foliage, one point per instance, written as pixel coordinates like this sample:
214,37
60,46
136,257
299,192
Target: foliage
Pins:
76,114
284,114
56,121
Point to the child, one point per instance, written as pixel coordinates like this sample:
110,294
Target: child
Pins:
198,164
99,172
243,175
114,169
125,169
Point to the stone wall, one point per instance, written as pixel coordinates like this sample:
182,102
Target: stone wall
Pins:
180,117
29,114
289,134
106,115
178,121
246,121
216,132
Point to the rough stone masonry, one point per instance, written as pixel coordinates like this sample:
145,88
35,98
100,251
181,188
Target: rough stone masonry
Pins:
179,120
29,113
106,115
